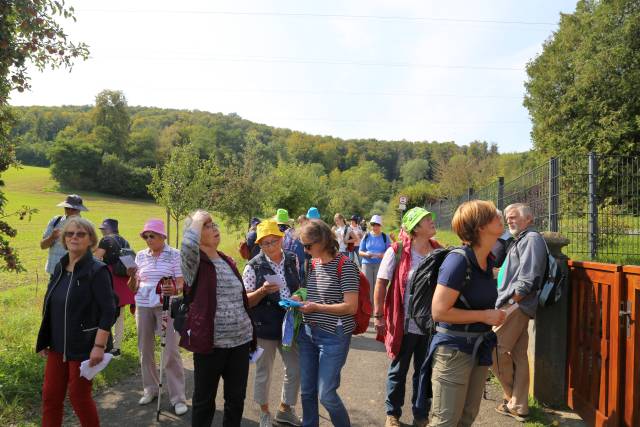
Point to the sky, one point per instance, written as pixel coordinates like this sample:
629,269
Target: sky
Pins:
386,69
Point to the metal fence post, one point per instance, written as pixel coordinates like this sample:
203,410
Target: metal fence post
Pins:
439,214
469,194
593,205
500,201
554,196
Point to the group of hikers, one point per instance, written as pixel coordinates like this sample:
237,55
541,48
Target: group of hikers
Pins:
301,294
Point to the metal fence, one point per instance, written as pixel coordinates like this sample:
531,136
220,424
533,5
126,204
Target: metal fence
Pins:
594,200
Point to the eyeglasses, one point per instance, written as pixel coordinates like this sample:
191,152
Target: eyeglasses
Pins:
264,244
210,225
79,234
149,236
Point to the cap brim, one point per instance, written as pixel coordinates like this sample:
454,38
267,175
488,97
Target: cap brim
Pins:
70,206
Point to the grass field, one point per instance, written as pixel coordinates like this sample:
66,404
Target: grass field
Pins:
21,294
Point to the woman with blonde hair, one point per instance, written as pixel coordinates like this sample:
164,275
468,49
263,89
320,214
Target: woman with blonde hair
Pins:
79,311
463,305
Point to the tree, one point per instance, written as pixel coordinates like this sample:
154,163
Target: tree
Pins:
29,34
183,183
582,91
295,187
414,170
112,122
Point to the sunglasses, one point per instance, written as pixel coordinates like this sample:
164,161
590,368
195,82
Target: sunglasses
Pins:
79,234
149,236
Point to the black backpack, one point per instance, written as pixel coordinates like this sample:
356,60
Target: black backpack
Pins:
122,249
423,286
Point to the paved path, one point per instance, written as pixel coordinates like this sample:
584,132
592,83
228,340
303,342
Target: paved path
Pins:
362,390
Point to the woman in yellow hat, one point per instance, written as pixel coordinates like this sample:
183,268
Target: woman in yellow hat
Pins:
270,276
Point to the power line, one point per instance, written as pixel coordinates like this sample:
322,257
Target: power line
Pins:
284,60
325,15
333,92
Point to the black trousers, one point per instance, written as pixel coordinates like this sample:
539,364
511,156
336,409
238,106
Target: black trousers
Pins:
232,364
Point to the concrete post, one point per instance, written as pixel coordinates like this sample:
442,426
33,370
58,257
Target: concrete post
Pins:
548,334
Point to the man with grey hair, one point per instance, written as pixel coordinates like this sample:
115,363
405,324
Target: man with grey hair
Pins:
520,280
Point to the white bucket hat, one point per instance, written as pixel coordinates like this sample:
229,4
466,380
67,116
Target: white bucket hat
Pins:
376,219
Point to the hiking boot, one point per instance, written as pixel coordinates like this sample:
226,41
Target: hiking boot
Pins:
265,419
420,422
288,417
392,421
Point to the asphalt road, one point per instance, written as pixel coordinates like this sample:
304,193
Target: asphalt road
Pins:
362,389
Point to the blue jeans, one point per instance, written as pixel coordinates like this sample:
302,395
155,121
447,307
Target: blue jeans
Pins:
322,356
415,346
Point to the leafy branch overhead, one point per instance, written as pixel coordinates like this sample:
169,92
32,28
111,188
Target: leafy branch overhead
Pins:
30,34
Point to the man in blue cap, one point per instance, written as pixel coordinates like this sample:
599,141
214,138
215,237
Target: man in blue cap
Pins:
108,251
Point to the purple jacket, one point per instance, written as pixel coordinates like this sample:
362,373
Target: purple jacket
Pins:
197,336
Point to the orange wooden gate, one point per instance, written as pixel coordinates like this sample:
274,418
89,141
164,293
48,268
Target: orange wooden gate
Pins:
594,342
630,336
603,363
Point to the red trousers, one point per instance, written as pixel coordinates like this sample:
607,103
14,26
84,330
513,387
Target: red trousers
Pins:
58,376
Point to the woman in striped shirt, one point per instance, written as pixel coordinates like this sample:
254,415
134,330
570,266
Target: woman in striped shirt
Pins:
157,261
324,338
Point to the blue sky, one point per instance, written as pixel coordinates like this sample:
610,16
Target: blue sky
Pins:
414,70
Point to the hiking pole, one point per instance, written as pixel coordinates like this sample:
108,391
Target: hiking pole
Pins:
163,337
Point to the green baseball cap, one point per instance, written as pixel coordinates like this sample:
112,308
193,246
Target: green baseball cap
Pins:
282,216
413,217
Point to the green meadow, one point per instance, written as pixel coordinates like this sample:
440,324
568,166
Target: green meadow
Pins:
21,294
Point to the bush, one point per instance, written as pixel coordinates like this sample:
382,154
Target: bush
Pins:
122,179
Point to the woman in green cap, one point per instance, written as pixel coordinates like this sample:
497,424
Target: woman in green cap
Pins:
390,310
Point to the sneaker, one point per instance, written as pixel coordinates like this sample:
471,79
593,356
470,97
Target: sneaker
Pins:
288,417
265,419
180,408
116,352
392,421
420,422
147,398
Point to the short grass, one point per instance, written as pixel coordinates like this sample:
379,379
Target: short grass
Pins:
21,294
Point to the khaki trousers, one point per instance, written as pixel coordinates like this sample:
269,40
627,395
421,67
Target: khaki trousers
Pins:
510,360
264,366
458,384
149,322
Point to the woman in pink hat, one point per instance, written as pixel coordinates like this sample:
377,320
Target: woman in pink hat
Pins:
157,261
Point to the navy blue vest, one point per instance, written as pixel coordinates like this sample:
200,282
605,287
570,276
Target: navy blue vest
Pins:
268,315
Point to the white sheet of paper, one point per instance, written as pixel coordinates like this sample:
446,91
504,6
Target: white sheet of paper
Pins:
253,357
91,371
128,261
275,279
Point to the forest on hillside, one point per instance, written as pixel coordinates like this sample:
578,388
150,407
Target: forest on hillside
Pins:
114,148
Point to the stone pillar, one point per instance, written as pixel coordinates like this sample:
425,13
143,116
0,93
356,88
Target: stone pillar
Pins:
548,335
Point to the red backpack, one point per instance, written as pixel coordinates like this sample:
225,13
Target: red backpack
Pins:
363,315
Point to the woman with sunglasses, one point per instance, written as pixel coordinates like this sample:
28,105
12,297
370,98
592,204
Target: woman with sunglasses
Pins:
157,261
328,316
79,310
218,329
268,316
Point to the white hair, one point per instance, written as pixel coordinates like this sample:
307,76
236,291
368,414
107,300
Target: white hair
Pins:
524,209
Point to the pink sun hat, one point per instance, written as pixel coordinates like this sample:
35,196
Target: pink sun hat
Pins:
155,225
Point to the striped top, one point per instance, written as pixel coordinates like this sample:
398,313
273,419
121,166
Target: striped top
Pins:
232,325
323,287
151,269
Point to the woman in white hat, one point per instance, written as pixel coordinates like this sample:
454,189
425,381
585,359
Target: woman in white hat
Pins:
372,248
